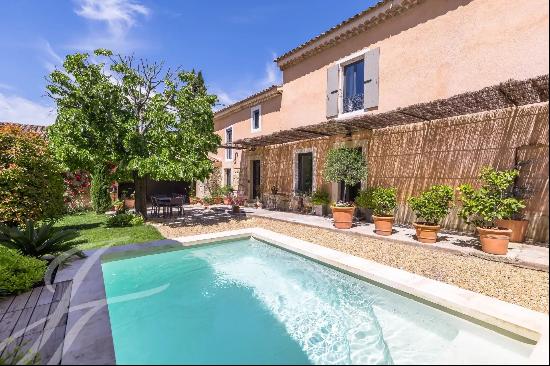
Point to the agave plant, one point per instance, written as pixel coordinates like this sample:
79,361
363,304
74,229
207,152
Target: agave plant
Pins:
37,240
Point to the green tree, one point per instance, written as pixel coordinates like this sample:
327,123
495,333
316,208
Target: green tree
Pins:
99,190
31,185
154,123
345,164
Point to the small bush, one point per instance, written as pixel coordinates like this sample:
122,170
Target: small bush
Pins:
37,240
384,201
124,219
432,205
99,190
364,198
320,198
19,273
137,220
31,184
492,201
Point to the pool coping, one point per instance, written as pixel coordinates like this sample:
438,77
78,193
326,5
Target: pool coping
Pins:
93,343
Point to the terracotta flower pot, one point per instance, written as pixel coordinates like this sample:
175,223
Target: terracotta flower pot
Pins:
518,227
343,217
494,240
226,200
218,200
320,210
235,209
426,233
383,225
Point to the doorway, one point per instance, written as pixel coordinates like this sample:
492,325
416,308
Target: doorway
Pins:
255,179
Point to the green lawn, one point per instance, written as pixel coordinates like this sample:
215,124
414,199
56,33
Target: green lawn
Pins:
94,233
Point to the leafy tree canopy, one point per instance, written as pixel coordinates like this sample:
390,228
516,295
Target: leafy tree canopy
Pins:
145,119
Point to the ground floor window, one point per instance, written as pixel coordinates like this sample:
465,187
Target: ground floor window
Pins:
228,177
305,173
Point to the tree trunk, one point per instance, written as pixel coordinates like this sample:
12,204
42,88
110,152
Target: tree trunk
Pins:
140,194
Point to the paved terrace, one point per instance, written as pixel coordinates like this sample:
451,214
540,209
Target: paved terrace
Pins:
524,255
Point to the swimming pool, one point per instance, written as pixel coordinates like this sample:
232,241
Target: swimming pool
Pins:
245,301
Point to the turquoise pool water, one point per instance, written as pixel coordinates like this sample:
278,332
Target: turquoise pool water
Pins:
247,302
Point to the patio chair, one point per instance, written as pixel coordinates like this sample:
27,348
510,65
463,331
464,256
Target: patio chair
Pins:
177,201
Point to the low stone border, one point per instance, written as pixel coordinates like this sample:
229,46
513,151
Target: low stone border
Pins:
367,230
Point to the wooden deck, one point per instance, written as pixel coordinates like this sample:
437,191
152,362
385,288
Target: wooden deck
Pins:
35,322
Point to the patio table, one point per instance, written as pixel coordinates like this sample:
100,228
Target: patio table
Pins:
167,204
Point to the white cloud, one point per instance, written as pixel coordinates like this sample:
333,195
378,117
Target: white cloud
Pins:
119,16
14,108
50,58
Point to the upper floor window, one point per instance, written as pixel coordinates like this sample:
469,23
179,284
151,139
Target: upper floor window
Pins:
228,142
353,83
255,118
353,98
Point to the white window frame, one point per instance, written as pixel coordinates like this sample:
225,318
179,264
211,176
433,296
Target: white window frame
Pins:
342,63
252,110
227,150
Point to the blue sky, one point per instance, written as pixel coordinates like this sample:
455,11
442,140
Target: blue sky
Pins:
232,42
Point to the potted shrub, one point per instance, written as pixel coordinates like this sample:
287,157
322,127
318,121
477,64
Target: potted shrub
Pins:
516,221
484,206
431,206
129,199
364,201
194,200
207,201
226,192
236,203
320,201
384,202
347,165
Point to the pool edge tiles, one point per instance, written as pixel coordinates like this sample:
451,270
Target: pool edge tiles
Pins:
509,317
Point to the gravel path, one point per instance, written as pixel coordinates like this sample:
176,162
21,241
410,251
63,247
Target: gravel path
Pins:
525,287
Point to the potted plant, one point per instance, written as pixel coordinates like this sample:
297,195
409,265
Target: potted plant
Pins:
226,192
320,201
484,206
431,206
193,200
384,202
129,199
207,201
516,221
364,201
347,165
236,204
